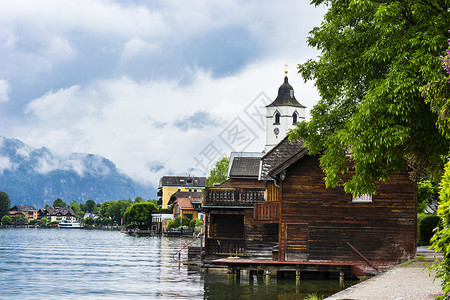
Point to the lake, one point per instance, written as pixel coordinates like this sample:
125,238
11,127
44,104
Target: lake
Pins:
96,264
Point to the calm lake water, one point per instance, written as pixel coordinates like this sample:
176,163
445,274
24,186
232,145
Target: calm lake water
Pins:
95,264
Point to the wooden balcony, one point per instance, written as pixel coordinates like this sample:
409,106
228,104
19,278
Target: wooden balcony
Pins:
225,246
219,196
267,211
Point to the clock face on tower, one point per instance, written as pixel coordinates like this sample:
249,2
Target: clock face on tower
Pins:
276,131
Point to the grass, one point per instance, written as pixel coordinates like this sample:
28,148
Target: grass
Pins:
313,297
420,257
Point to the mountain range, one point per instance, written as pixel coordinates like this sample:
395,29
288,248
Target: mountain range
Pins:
35,177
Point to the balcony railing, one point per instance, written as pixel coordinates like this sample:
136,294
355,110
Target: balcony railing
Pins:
217,196
266,211
225,246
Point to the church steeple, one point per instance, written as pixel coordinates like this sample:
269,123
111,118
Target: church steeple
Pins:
282,114
285,96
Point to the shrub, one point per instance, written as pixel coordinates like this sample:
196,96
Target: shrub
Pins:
177,222
6,220
425,193
426,228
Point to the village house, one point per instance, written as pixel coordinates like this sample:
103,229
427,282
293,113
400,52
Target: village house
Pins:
186,204
57,214
274,211
30,212
168,185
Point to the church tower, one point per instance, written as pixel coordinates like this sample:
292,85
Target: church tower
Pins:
282,114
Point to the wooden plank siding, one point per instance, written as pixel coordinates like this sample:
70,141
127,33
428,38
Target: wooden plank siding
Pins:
273,193
260,238
383,230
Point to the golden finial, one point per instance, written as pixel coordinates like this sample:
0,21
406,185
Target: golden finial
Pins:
286,71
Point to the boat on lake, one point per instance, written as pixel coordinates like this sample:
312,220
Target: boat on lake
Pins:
69,224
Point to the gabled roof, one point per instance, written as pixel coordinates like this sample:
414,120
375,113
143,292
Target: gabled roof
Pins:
182,181
184,203
23,208
245,167
285,96
197,196
280,155
59,211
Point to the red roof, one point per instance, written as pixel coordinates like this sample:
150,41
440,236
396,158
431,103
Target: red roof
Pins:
185,203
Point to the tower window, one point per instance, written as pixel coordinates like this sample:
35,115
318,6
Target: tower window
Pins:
277,118
291,93
294,118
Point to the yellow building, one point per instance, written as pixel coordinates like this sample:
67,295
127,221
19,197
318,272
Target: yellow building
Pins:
30,212
168,185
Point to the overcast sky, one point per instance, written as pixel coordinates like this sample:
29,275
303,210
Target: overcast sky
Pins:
158,87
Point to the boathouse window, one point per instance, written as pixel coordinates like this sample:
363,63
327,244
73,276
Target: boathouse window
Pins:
362,198
277,118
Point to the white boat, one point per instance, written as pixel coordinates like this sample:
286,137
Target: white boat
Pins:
69,224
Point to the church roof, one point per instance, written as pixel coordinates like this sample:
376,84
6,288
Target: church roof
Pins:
285,96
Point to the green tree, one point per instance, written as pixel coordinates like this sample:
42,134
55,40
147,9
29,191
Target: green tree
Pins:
425,194
5,204
139,199
107,221
59,203
219,173
75,207
22,219
140,213
90,206
43,222
89,221
375,55
437,93
441,239
6,220
47,206
98,222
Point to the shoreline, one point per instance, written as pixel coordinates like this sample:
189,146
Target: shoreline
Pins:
409,280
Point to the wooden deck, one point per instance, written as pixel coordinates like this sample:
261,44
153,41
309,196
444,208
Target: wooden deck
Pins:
301,266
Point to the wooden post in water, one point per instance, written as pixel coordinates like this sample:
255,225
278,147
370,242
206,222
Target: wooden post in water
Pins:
237,274
341,278
268,273
297,276
230,273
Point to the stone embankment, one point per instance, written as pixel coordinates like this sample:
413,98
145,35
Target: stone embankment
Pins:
410,280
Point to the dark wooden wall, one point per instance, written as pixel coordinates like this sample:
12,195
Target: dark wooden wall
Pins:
319,222
260,237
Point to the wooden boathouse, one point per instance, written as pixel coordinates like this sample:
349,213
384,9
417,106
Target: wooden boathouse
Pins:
275,213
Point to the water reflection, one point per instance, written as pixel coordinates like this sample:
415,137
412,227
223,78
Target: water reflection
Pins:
52,263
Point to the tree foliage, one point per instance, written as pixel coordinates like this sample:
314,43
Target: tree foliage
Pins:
90,206
140,213
426,192
375,55
115,209
441,239
59,203
43,221
6,220
5,204
219,173
436,93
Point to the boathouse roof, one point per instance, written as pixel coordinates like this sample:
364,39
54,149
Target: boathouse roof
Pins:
245,167
280,155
